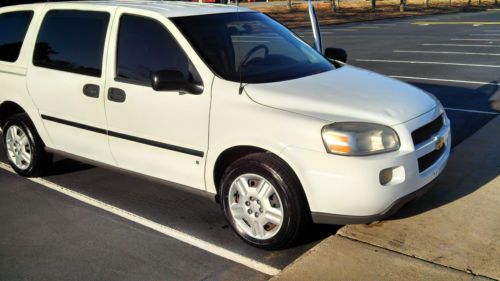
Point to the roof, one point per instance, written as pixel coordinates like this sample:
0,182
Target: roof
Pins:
166,8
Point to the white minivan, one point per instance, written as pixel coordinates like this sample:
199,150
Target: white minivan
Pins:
223,101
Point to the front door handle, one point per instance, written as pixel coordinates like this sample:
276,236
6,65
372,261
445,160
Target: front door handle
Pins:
91,90
116,95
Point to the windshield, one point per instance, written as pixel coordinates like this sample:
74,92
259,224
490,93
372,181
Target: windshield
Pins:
253,43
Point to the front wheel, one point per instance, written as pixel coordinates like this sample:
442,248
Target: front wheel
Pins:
263,201
24,148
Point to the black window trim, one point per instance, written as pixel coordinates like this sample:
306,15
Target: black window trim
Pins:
137,82
105,50
27,31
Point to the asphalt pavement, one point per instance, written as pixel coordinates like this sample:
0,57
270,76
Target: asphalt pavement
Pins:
47,235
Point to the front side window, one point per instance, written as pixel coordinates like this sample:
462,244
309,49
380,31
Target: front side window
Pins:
13,28
144,47
72,41
250,47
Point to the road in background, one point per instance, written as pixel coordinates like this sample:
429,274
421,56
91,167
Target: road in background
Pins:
46,235
455,57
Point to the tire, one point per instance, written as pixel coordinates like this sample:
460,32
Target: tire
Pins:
22,140
271,211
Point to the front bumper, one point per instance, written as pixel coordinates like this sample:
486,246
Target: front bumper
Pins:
322,218
345,190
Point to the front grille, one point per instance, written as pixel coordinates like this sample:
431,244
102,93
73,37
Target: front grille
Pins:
426,132
427,160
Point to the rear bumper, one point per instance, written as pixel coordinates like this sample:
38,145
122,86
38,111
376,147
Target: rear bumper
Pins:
324,218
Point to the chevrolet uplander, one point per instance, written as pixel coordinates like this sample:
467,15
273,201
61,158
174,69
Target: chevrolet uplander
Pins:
222,101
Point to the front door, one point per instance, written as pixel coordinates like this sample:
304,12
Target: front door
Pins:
160,134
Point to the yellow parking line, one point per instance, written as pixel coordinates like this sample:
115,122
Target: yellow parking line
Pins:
456,22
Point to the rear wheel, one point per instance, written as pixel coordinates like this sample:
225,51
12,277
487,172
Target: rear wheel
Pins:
263,201
24,148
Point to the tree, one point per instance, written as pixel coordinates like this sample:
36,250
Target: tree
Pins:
374,4
334,5
289,4
402,5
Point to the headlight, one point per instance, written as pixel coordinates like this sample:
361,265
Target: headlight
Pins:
356,138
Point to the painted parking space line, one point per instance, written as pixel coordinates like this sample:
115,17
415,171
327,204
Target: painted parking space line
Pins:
457,22
447,53
461,45
444,80
367,27
430,62
472,111
170,232
475,39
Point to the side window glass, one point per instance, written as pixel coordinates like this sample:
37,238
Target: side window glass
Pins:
13,28
145,46
72,41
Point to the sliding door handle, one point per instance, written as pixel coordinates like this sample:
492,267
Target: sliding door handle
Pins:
116,95
91,90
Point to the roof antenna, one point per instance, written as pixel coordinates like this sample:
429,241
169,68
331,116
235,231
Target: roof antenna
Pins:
315,28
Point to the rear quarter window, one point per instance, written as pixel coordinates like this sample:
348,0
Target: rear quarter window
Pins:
72,41
13,28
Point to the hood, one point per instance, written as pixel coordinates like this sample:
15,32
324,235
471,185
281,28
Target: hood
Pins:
346,94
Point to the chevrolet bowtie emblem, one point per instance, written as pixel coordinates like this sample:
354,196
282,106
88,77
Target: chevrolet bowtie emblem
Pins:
439,143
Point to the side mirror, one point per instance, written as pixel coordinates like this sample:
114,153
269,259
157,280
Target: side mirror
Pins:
173,80
336,54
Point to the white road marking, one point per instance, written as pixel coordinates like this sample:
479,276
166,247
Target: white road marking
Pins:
173,233
431,62
343,29
447,53
472,111
461,45
485,34
469,39
444,80
368,27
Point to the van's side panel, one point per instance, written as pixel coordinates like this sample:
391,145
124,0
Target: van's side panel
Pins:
75,122
13,75
159,134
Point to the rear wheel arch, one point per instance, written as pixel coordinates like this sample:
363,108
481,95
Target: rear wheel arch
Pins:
9,109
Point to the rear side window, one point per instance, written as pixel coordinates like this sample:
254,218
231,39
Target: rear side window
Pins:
13,28
72,41
146,46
